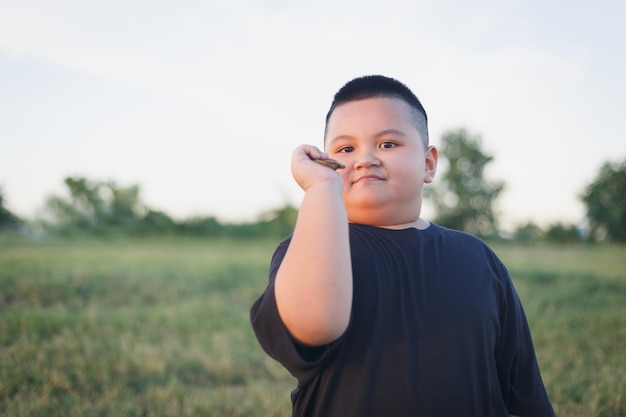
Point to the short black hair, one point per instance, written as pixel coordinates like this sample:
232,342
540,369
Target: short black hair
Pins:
372,86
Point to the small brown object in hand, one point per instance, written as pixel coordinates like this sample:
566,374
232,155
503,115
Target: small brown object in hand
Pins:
330,163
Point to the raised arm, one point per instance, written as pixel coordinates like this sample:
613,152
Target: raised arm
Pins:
313,285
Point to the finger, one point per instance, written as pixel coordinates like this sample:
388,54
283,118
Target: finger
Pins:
311,151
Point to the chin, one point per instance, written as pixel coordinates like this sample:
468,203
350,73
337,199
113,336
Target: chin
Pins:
382,217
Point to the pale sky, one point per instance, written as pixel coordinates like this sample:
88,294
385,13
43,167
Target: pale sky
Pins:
202,102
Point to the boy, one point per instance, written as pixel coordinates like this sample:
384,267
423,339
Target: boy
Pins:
376,311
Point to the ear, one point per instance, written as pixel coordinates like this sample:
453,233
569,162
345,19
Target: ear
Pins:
432,156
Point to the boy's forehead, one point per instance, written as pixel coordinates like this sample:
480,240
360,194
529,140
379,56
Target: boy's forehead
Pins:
387,110
367,106
374,115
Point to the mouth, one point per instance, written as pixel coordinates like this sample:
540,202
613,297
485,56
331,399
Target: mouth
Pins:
368,178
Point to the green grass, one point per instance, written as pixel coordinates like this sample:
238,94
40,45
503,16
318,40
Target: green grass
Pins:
160,328
575,300
135,329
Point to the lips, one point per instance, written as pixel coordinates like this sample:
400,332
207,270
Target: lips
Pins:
368,178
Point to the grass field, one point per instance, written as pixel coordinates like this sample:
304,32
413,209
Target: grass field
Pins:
160,328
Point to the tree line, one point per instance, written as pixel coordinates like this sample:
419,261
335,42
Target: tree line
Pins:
463,198
106,209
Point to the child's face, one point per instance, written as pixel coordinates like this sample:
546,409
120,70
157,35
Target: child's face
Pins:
386,163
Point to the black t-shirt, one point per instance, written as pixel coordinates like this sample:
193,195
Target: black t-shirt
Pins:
436,329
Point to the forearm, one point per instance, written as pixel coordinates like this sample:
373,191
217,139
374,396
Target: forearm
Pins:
313,285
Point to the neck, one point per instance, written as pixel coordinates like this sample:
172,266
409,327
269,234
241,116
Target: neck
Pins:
419,224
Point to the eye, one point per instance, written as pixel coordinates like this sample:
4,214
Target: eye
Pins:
388,145
346,149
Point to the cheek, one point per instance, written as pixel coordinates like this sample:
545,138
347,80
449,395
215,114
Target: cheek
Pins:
408,171
344,172
345,176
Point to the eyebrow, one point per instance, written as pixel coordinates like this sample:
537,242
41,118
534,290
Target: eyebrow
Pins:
385,132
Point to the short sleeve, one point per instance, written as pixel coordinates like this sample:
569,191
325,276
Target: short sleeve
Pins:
303,362
518,371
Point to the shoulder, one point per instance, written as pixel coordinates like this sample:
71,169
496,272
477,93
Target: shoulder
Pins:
464,239
458,236
434,236
467,247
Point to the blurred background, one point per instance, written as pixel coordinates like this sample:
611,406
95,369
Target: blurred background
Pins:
200,103
131,120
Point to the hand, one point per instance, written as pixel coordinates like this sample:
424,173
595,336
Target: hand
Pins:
307,172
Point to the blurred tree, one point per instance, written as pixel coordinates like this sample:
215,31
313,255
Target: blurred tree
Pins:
527,232
605,199
562,233
157,221
96,207
201,226
280,221
463,199
8,220
105,208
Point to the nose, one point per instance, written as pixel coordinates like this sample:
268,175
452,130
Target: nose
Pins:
366,158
